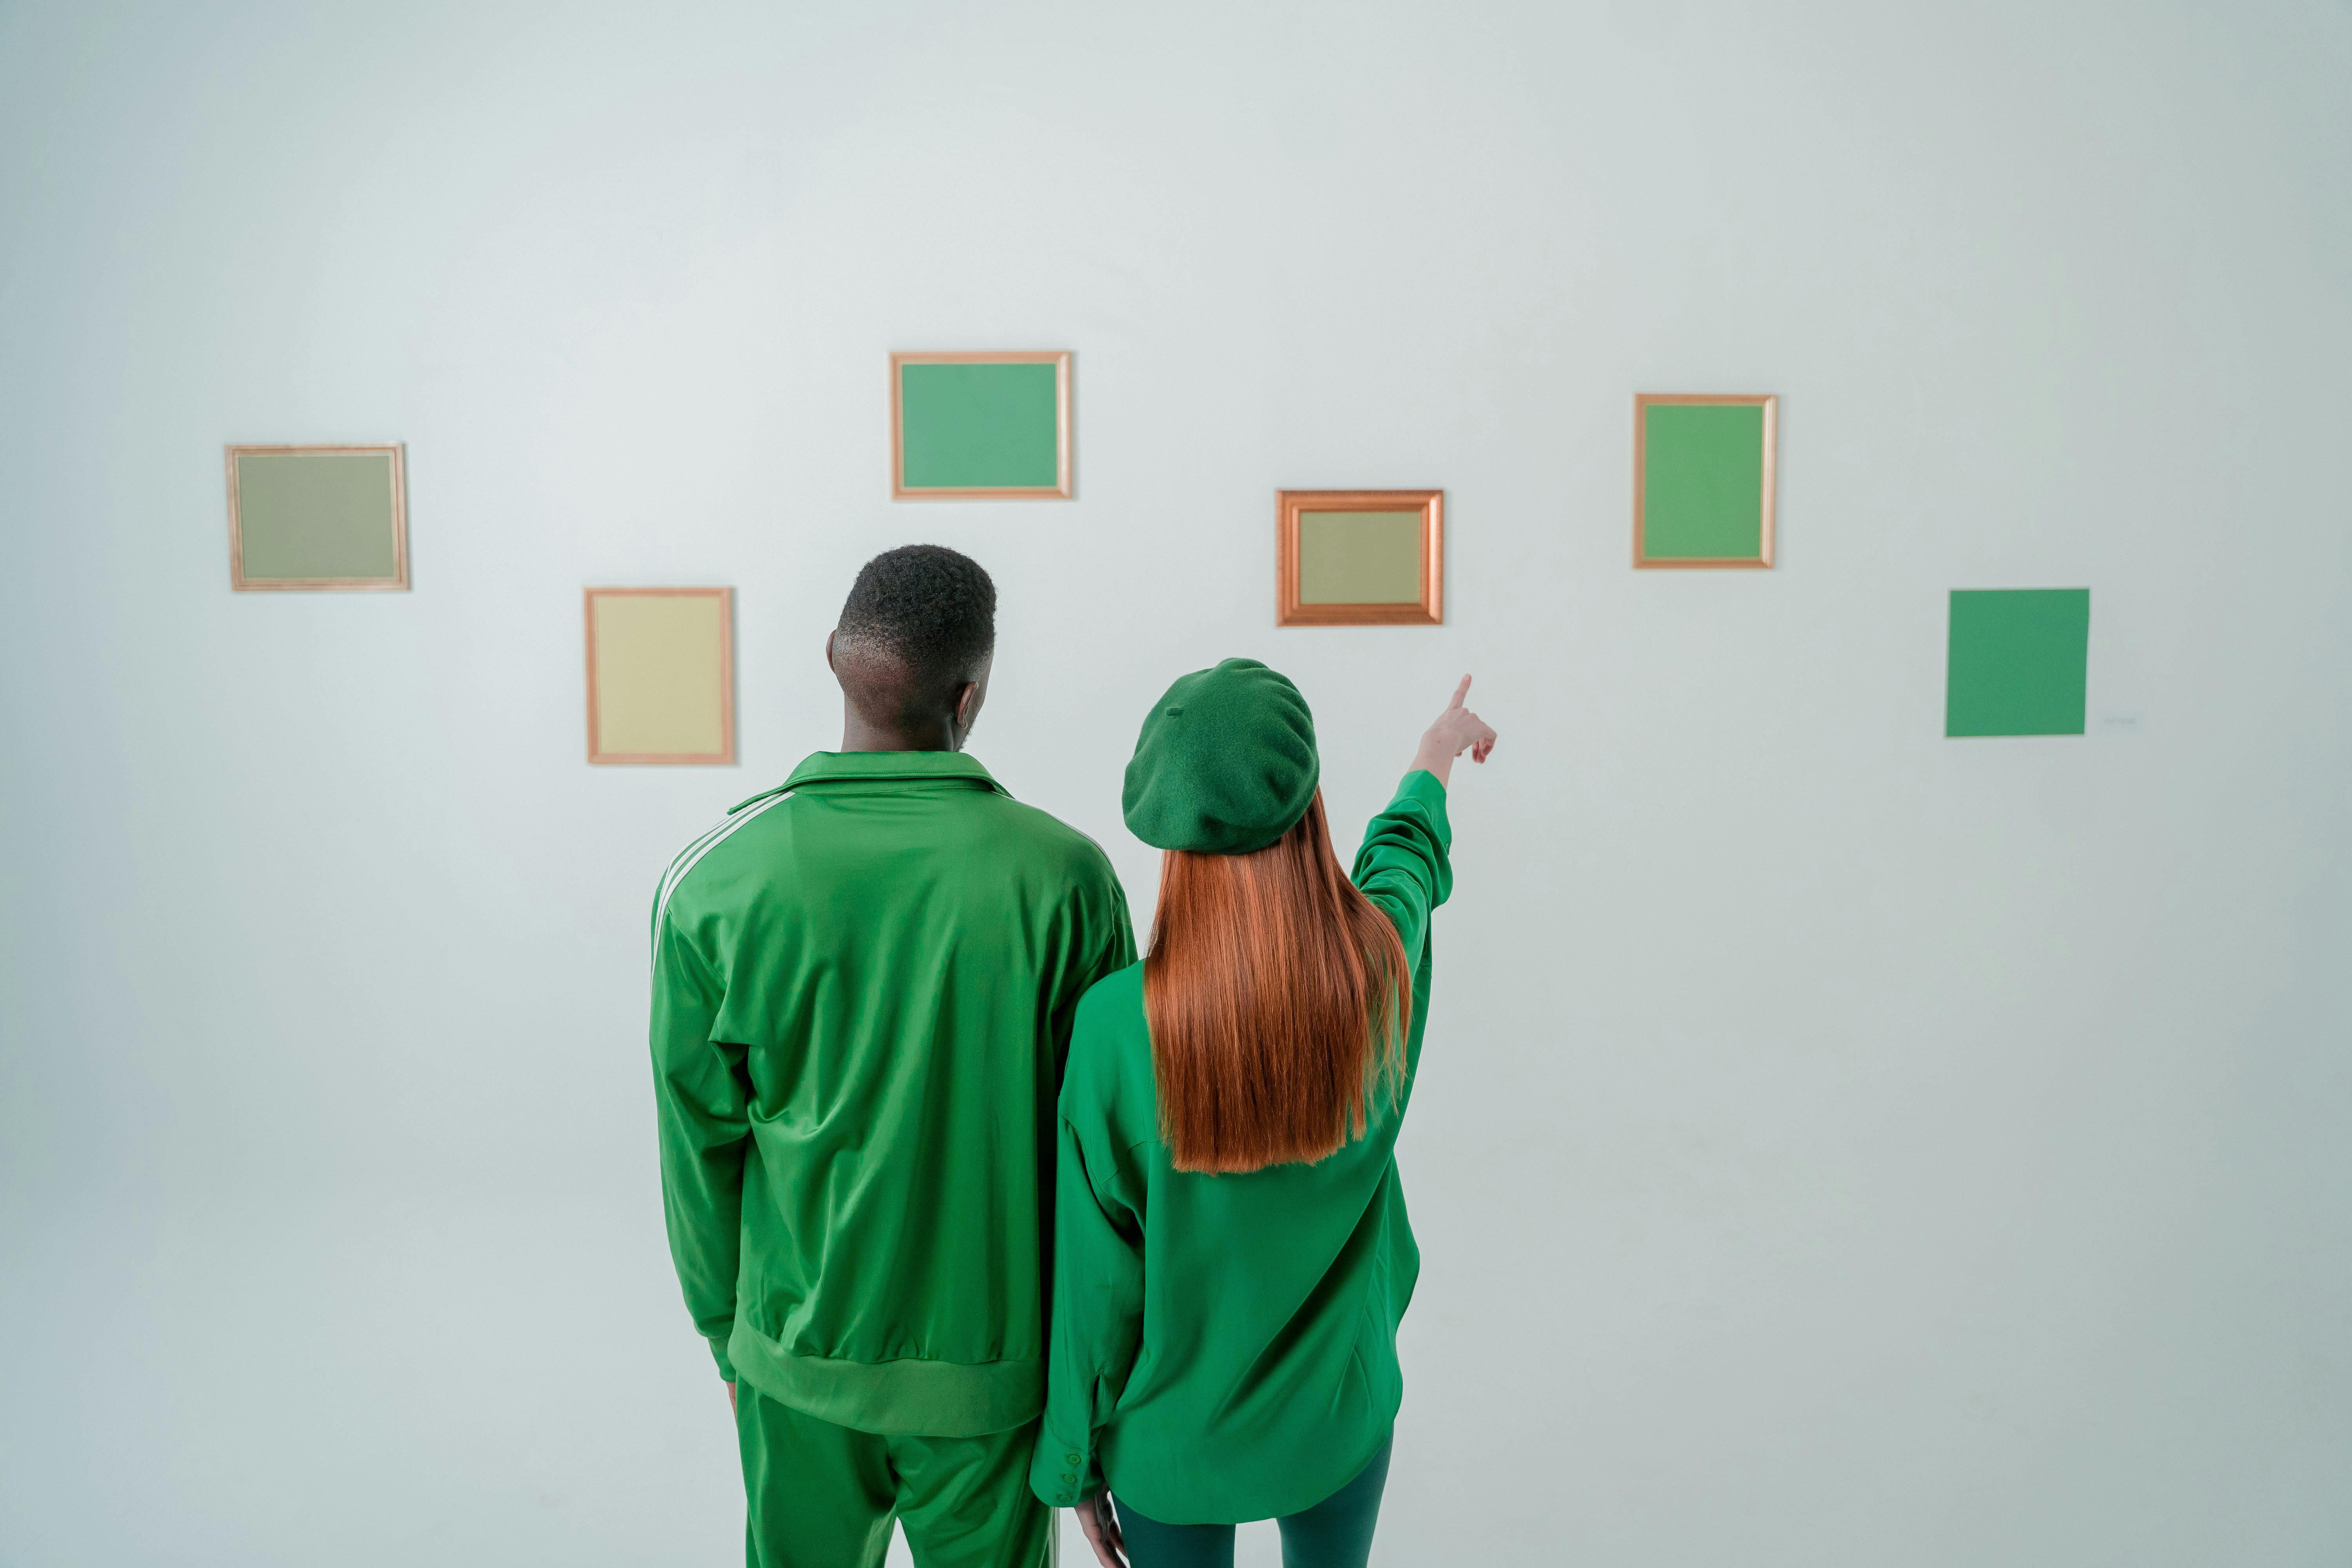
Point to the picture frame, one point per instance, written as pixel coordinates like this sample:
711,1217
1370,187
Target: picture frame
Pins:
318,517
1387,568
981,425
1695,475
660,675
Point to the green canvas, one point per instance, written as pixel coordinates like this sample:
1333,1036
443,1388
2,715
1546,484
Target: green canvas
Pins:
979,427
1359,557
2018,661
311,515
1702,481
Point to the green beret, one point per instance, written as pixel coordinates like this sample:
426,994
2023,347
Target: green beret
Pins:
1225,763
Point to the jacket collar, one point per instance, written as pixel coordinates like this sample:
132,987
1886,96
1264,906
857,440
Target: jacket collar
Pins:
892,767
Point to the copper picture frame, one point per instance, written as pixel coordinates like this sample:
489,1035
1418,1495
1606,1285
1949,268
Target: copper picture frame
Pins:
1642,402
1426,607
603,749
244,582
1060,490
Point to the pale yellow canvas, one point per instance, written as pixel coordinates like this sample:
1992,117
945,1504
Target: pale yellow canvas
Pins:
1359,557
661,674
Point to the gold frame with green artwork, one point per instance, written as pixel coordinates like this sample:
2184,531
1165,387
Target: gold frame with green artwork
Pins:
1642,402
1060,490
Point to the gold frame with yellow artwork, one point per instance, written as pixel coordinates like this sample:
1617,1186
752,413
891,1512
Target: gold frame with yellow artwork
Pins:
725,755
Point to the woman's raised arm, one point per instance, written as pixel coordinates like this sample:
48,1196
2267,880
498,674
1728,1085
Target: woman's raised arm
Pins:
1456,730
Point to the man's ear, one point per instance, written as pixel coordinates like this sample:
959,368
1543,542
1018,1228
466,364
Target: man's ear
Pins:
967,699
828,652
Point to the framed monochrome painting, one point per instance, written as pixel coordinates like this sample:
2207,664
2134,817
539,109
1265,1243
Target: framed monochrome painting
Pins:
661,674
1702,478
979,427
321,518
1359,558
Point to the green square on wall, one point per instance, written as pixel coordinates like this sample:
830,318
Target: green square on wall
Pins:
2018,661
981,425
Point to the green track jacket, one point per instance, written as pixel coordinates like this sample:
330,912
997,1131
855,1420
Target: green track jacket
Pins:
863,987
1224,1346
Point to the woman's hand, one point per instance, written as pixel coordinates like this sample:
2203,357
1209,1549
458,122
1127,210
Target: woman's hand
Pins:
1457,731
1101,1526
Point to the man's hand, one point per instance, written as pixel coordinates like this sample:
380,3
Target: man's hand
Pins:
1457,730
730,1397
1101,1525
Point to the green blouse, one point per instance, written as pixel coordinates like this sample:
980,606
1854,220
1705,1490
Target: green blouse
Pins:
1224,1347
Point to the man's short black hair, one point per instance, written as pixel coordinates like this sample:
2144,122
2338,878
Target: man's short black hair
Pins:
928,608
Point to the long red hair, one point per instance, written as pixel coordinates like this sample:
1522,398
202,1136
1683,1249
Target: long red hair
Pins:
1278,999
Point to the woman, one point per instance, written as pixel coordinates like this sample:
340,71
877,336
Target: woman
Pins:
1231,1254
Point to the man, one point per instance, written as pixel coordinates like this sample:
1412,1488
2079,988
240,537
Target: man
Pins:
863,987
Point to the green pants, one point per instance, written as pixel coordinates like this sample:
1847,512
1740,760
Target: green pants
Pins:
1335,1534
822,1495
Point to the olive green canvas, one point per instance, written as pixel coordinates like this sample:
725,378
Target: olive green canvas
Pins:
1702,481
1359,557
312,515
2018,661
979,427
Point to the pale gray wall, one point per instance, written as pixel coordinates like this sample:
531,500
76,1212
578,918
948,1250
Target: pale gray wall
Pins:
1837,1145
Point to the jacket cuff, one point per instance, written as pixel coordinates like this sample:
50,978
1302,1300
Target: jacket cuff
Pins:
719,1355
1063,1472
1421,785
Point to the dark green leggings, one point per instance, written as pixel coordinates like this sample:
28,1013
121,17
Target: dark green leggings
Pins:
1335,1534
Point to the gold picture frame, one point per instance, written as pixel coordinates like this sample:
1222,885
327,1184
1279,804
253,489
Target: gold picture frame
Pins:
606,748
1418,552
1060,488
1643,557
256,581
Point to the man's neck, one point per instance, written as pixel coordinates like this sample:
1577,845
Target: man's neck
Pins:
856,735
